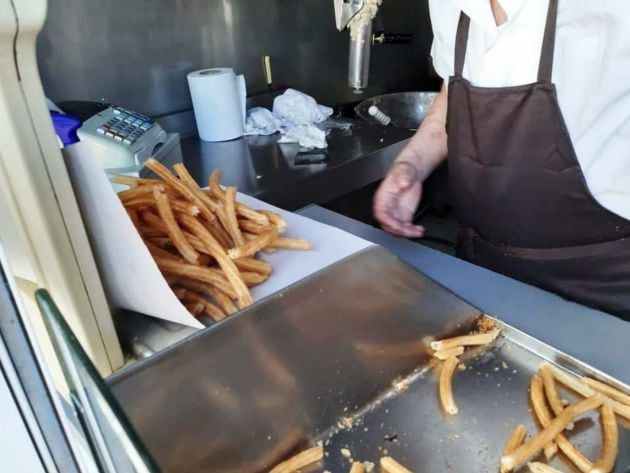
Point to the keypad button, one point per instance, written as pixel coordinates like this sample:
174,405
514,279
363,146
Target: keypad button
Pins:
100,130
128,141
110,133
118,137
116,111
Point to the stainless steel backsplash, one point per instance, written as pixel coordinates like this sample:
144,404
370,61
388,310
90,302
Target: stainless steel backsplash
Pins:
136,53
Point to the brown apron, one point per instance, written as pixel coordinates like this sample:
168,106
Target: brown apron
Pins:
520,193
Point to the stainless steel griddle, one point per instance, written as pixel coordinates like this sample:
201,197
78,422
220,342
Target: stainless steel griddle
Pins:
340,357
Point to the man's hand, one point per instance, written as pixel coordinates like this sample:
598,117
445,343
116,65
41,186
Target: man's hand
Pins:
397,198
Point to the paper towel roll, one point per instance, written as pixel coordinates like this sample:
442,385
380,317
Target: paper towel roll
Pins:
218,98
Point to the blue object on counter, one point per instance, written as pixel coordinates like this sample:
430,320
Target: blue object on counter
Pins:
66,127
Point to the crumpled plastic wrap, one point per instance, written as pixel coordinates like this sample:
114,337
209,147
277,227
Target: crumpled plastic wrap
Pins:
295,115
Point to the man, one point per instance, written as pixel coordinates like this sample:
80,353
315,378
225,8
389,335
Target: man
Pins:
538,143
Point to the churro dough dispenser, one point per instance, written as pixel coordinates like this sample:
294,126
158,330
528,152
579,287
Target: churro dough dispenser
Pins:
357,16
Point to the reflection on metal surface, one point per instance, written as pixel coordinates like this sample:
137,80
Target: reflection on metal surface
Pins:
137,54
340,357
405,109
291,364
259,166
493,397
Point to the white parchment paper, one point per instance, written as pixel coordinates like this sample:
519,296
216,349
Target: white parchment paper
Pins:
133,280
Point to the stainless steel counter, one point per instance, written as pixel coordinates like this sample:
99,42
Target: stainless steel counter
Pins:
341,357
262,168
596,338
599,339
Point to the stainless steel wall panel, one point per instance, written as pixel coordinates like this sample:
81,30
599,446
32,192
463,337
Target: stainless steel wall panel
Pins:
137,52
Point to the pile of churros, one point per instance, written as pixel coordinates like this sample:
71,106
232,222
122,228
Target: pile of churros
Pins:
555,417
204,241
448,352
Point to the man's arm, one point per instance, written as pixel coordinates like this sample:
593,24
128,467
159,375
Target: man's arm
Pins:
427,148
398,196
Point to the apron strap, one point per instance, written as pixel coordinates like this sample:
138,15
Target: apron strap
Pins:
461,43
545,68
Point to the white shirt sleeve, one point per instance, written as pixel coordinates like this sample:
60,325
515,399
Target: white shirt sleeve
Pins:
444,30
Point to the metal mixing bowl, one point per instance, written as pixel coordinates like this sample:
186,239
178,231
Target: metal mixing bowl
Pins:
406,109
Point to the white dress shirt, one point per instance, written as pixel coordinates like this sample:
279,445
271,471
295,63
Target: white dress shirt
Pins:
591,73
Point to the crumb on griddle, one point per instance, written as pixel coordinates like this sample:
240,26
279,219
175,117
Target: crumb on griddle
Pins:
401,384
345,423
486,324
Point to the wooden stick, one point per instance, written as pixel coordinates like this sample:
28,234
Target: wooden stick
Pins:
389,465
535,444
312,455
446,385
465,340
610,446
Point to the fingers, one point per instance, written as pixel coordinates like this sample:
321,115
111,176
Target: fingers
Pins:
386,211
394,207
406,230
